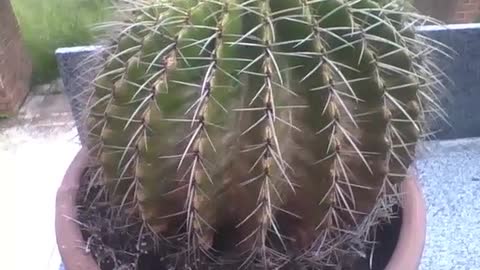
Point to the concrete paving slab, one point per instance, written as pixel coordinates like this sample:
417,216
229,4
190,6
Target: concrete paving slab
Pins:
36,147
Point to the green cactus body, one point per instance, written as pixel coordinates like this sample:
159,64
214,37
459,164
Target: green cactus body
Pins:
274,126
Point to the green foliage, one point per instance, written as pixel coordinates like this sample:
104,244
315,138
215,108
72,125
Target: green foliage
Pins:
49,24
268,132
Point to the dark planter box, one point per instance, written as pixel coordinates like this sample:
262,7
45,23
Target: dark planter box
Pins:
463,98
78,67
460,102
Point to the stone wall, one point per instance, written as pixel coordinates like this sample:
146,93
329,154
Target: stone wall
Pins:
15,64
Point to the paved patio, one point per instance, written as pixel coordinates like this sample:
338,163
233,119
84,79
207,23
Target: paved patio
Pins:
35,149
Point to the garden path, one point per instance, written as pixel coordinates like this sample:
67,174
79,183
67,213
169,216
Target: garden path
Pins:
35,149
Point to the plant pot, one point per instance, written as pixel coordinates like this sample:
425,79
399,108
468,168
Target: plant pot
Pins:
407,248
69,237
400,243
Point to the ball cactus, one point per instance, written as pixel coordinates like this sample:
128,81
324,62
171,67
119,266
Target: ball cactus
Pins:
256,134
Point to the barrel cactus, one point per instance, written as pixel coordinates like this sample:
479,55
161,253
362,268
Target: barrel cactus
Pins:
260,134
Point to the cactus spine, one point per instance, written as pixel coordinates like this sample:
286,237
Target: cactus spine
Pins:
265,131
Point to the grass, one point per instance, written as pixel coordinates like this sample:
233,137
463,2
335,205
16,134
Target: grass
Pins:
49,24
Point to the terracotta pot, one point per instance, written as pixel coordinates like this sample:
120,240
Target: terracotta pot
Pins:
69,237
406,255
408,251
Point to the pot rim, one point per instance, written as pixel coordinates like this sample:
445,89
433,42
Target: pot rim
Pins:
67,230
407,254
408,251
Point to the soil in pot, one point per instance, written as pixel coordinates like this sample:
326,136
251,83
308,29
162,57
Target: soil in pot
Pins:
386,235
112,236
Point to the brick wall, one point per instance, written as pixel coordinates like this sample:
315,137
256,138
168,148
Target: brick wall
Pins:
15,64
450,11
466,11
